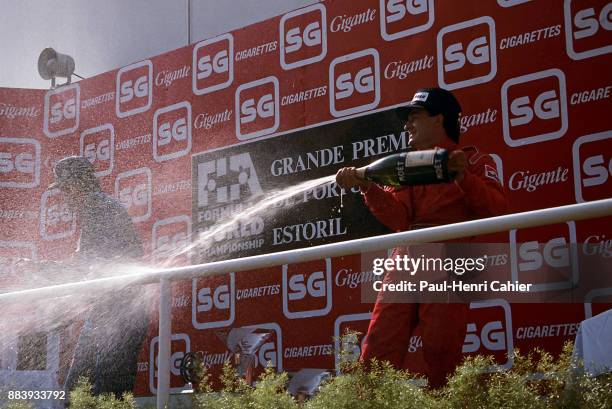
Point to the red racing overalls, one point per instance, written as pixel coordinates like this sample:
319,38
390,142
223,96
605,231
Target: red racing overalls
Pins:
442,326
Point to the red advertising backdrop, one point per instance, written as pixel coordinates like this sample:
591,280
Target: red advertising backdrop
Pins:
534,83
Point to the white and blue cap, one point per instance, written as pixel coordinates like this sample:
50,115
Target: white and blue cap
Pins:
435,101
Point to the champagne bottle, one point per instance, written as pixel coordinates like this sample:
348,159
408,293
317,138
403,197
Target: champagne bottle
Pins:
409,169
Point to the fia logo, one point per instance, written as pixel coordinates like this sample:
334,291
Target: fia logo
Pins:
98,146
403,18
172,131
226,180
134,89
354,81
303,35
213,301
179,346
133,190
62,108
592,162
57,220
587,29
270,353
307,289
551,261
351,344
257,105
19,163
467,53
534,108
170,239
213,64
510,3
489,332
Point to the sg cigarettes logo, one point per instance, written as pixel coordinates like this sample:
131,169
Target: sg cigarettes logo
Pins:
354,81
489,331
179,346
213,301
307,289
587,28
270,353
19,163
57,220
403,18
213,64
134,89
592,166
353,345
467,53
303,34
534,108
257,104
172,131
98,146
62,110
133,190
549,262
170,238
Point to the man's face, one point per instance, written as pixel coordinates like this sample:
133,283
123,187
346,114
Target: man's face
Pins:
425,131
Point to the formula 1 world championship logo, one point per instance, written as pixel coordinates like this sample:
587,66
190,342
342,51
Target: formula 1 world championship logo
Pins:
403,18
62,109
307,289
19,163
534,108
467,53
213,64
587,28
354,83
303,35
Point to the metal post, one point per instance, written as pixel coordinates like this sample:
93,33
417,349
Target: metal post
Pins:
163,357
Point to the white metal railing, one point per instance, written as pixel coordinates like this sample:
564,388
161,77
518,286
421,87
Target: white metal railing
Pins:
581,211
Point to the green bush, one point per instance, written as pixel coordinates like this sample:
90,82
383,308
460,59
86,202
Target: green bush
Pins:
536,380
82,398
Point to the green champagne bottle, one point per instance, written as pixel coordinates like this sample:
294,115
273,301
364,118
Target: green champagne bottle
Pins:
409,169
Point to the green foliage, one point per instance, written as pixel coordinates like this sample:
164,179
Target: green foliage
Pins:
536,380
81,398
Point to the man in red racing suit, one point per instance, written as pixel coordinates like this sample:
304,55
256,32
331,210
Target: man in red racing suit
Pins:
432,120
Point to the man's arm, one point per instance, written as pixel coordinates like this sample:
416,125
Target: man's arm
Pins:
484,193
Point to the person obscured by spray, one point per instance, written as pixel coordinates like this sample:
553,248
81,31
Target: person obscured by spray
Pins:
114,328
